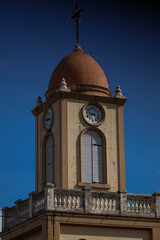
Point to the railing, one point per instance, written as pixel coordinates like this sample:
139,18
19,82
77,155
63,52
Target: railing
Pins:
37,203
22,210
85,200
138,204
103,202
68,200
9,217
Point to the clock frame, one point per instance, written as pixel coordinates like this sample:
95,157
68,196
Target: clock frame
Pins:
48,118
95,110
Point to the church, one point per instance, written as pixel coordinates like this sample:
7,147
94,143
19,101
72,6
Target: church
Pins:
80,163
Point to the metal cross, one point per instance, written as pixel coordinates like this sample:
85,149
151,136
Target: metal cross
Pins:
76,17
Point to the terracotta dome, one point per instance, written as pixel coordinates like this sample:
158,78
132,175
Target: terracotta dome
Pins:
81,73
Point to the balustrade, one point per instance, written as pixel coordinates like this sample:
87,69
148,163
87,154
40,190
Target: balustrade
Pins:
23,210
38,202
71,200
104,202
68,199
140,204
9,217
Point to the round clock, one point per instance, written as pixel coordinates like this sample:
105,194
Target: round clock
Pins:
93,114
48,118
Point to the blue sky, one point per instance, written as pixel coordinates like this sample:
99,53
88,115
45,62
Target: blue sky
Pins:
123,36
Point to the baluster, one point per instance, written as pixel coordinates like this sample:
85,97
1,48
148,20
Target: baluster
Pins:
144,207
113,204
148,207
109,204
64,201
101,203
72,201
68,201
55,200
140,206
97,203
132,205
59,201
136,205
128,206
105,203
93,200
80,201
77,201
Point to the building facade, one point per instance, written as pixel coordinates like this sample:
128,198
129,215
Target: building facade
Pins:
80,165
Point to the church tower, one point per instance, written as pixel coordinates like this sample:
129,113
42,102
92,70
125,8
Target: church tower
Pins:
80,129
80,163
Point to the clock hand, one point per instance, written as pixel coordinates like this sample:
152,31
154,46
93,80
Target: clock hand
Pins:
47,119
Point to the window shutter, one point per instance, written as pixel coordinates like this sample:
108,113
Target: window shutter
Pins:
87,159
92,157
49,160
97,157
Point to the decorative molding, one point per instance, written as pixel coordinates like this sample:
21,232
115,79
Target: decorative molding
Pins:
94,185
78,96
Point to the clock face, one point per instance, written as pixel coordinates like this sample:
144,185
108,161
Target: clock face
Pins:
48,118
92,114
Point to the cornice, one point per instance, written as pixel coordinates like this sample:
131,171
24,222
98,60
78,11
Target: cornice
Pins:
78,96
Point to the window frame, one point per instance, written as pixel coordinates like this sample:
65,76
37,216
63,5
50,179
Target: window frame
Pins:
104,148
48,134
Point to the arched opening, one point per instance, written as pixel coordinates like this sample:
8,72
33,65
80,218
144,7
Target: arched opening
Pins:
92,157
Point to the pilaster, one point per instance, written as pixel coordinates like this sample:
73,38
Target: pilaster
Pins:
121,148
64,142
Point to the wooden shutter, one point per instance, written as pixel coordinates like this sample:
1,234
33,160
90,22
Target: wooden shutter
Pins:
92,157
49,160
97,157
87,159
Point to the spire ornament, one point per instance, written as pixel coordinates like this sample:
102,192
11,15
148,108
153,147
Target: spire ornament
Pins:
76,17
63,86
39,101
118,93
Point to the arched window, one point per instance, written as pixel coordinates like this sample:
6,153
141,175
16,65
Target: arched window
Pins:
92,157
49,160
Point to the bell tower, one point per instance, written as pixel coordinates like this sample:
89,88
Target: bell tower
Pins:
80,163
80,128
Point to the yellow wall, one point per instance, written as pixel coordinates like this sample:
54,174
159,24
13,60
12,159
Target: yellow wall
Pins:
76,125
101,233
56,134
41,134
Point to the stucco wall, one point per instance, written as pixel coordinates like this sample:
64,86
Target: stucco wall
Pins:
101,233
56,134
41,134
74,127
76,124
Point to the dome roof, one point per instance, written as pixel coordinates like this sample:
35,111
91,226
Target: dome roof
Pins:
81,73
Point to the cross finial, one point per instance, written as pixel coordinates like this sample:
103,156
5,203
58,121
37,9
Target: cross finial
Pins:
76,17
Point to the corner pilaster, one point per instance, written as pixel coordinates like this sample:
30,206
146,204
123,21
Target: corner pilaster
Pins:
64,143
121,148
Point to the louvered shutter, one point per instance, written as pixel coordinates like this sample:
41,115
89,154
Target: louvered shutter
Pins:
97,157
92,157
87,158
49,160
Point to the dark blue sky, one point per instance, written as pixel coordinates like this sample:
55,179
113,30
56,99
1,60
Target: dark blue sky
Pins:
123,36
